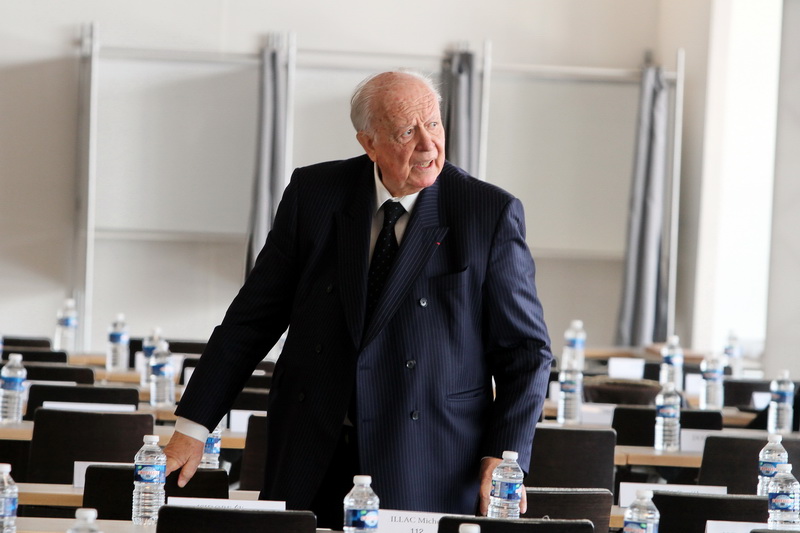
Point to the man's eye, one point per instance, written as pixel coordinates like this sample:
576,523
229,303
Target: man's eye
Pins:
433,125
408,132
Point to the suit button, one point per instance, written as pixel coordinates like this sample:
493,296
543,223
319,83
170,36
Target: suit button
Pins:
301,397
414,415
329,288
423,302
318,348
411,364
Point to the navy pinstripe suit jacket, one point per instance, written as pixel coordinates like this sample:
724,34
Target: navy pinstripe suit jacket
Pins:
459,307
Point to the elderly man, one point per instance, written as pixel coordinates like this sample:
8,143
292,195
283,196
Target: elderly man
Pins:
407,286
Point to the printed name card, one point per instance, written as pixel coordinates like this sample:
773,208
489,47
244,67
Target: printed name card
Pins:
391,521
91,407
218,503
599,414
761,400
239,418
693,384
694,440
627,491
724,526
625,367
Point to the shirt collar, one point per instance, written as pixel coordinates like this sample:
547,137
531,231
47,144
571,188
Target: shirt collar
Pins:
382,194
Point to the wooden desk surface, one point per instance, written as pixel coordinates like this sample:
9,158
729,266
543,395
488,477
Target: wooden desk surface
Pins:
59,525
731,416
648,456
24,431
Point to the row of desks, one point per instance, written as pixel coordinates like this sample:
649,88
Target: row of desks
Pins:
59,525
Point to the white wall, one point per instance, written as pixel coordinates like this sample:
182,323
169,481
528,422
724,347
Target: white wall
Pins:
38,103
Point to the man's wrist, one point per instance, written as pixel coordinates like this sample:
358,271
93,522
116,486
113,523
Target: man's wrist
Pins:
191,429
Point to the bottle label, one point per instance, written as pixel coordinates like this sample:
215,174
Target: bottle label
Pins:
150,473
569,386
767,468
68,322
576,343
212,445
13,384
118,337
8,507
635,526
780,396
712,375
668,411
161,369
361,518
148,350
506,490
782,501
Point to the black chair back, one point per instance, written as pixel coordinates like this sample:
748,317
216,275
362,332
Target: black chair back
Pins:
40,393
174,519
62,437
83,375
572,458
26,342
108,489
37,356
450,524
254,454
571,504
602,389
688,513
636,426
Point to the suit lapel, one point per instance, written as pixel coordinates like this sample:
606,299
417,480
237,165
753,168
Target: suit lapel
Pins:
420,241
353,232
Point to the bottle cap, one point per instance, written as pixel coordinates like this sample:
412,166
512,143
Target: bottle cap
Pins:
362,480
162,346
783,374
5,468
775,437
674,340
150,439
86,513
508,454
15,358
642,494
784,467
576,324
469,528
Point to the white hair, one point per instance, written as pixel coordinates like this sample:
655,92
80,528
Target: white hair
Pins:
361,103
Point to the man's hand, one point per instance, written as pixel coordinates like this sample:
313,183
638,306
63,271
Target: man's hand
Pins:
488,465
184,453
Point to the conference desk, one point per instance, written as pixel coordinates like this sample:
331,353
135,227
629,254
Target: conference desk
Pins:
59,525
64,495
731,416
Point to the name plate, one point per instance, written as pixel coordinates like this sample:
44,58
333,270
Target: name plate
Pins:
627,491
625,367
218,503
724,526
391,521
90,407
599,414
694,440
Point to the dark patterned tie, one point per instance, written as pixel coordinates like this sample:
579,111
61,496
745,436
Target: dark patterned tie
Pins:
382,258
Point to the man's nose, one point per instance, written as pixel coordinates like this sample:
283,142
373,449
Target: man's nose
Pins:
425,141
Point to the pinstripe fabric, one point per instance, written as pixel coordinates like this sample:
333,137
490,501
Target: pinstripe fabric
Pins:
459,306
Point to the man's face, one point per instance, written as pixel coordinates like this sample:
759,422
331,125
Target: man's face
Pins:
407,137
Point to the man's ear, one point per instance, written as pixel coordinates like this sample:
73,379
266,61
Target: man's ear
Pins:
367,143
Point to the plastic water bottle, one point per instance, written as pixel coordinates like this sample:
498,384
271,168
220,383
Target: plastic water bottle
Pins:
85,521
469,528
784,500
574,346
733,353
672,363
118,352
149,476
12,389
212,448
668,419
506,488
162,377
570,396
149,345
781,404
9,496
66,327
712,395
361,506
770,456
642,516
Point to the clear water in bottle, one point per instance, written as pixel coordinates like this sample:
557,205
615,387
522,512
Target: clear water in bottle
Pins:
641,516
712,395
66,327
784,500
507,488
570,396
212,448
149,345
672,363
770,456
9,496
574,346
668,419
361,506
162,377
149,477
118,351
781,405
733,353
12,387
85,521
